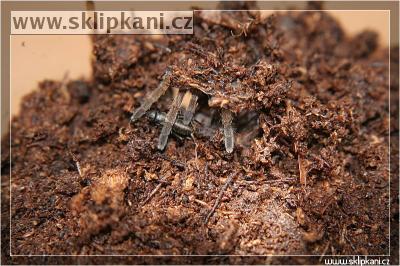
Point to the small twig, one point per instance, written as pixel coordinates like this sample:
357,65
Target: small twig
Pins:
229,138
78,166
195,152
201,202
63,87
221,193
280,180
324,252
302,167
175,162
351,244
157,188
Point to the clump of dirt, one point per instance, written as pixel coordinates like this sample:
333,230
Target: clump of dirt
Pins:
309,173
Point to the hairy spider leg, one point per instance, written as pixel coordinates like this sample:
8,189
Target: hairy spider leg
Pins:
229,138
179,128
190,109
170,120
153,97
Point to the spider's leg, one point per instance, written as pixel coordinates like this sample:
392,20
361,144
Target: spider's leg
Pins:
170,120
177,136
153,97
190,109
229,137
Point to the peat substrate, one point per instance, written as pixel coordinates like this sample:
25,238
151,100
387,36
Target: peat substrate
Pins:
308,175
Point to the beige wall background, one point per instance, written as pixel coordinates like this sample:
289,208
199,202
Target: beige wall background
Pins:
38,57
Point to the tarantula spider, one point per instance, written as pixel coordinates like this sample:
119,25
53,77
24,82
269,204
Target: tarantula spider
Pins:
169,120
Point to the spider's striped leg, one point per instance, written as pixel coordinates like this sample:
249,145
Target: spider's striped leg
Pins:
229,137
153,97
190,109
170,120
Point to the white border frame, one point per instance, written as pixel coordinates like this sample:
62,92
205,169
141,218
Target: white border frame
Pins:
231,255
